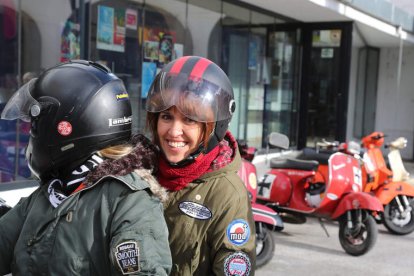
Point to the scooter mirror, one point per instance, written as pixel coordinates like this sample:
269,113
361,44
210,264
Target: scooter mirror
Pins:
279,140
354,148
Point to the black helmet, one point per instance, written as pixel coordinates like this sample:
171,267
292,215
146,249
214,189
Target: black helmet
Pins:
202,83
75,109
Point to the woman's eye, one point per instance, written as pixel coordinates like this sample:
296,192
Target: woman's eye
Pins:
189,121
165,116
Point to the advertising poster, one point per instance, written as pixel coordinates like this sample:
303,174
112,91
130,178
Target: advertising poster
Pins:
178,50
70,41
166,48
131,19
149,70
151,50
159,45
253,53
119,36
326,38
111,29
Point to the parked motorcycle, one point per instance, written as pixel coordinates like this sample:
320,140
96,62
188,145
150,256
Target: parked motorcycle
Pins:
290,187
389,186
396,196
266,219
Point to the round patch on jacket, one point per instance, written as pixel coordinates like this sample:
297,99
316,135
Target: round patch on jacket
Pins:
237,264
127,257
195,210
238,232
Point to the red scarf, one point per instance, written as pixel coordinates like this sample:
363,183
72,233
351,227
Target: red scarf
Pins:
175,179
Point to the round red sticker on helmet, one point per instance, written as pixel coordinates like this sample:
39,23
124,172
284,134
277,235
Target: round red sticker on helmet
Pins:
64,128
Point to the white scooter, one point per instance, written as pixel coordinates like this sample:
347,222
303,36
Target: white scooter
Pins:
395,160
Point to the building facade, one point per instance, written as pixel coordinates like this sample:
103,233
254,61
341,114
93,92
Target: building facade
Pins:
309,78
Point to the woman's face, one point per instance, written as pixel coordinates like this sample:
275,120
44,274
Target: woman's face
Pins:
179,136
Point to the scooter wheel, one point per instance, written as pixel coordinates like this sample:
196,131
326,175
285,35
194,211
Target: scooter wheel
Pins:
360,239
395,222
265,246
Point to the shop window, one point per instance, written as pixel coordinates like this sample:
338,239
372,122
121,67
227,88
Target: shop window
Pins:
366,91
14,135
135,42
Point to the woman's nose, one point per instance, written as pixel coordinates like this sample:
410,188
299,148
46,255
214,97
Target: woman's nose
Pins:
176,129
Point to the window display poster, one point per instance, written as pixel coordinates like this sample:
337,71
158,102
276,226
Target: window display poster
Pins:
149,70
178,50
119,37
151,50
166,48
326,38
111,29
253,54
159,45
70,41
131,19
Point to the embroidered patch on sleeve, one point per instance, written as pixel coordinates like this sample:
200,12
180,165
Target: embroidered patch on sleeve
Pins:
238,232
127,257
237,264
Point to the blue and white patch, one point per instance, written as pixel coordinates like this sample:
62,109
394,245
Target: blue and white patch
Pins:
195,210
237,264
238,232
127,257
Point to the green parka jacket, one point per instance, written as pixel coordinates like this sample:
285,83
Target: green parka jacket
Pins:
113,227
99,231
211,225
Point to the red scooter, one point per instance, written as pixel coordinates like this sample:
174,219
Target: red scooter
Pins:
266,219
290,187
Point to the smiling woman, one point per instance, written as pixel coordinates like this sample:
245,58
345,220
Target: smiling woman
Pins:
190,105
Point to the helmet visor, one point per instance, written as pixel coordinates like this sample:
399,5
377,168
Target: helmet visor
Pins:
198,99
21,104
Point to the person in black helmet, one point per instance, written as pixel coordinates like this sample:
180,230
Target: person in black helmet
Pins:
208,212
97,210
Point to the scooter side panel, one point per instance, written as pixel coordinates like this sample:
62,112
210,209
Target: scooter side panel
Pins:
275,187
344,176
357,200
247,173
390,190
267,215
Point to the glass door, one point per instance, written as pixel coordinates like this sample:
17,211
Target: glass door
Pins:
282,84
324,82
323,86
243,60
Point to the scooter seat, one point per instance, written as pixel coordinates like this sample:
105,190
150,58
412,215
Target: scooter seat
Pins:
310,154
305,165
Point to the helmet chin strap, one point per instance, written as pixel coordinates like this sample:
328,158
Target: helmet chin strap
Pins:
189,159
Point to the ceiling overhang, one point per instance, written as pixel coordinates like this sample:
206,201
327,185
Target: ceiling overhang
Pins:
369,30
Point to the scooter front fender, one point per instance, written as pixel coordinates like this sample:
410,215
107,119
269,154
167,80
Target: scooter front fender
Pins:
268,216
390,190
357,200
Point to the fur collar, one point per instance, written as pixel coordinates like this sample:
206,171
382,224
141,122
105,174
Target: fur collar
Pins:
142,160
